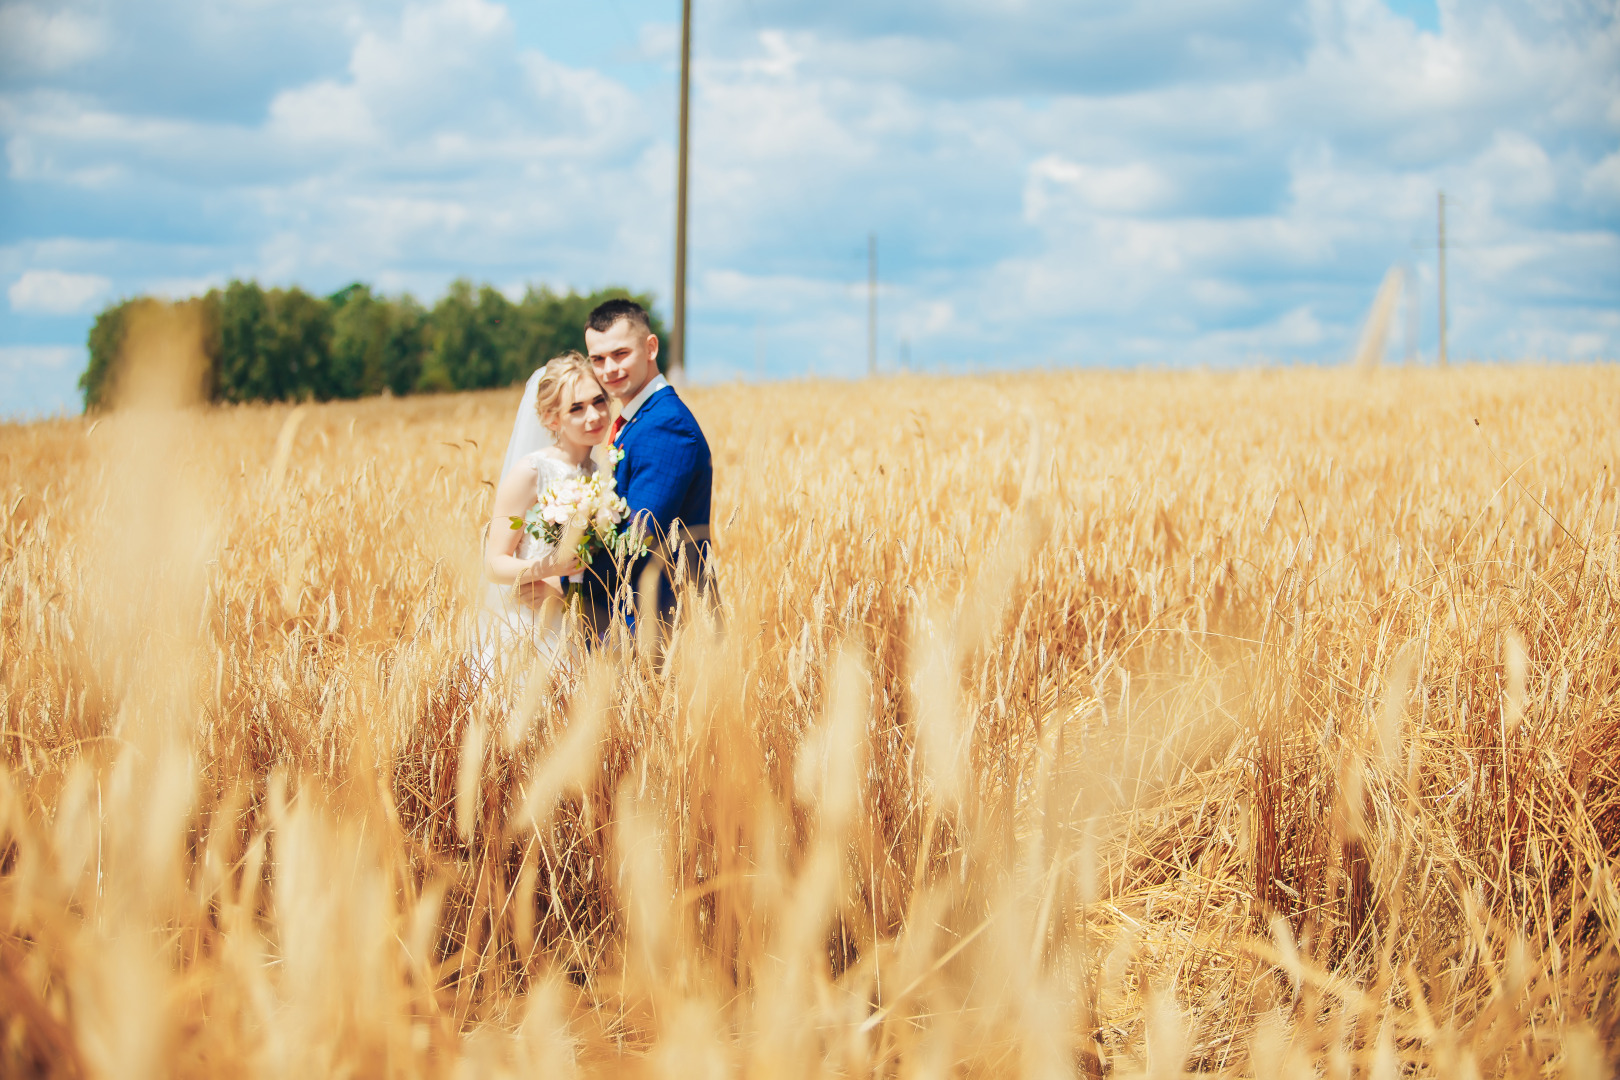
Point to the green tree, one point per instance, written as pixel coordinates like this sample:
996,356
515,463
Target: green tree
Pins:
472,340
378,342
548,324
301,332
246,363
407,344
359,355
275,345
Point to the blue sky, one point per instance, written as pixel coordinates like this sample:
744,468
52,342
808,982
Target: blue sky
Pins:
1192,182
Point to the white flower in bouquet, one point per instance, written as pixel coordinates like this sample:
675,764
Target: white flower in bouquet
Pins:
581,513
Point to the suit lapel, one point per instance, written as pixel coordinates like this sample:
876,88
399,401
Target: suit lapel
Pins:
645,406
623,441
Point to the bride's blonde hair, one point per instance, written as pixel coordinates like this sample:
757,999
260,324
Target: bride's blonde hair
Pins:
555,377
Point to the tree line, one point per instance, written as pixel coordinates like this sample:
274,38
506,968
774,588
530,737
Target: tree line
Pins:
288,345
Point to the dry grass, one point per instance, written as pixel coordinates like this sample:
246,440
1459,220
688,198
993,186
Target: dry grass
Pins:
1259,724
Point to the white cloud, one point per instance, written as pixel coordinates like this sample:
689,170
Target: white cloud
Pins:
38,41
578,97
56,292
440,58
1518,169
1129,188
935,317
323,111
1602,181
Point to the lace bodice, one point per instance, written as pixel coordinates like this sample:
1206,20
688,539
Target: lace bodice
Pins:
546,470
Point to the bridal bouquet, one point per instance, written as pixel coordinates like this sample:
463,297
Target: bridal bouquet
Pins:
582,512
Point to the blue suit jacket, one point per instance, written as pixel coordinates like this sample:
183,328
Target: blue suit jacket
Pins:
666,476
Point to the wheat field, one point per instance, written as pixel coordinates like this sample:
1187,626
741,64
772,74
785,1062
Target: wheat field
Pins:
1134,724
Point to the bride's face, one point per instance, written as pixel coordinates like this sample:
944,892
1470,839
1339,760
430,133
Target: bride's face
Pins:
582,414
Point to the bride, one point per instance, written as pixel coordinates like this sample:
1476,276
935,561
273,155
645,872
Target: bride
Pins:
563,417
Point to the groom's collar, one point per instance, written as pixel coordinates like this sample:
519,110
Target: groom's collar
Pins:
654,384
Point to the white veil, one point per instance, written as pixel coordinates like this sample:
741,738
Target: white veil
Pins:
501,620
528,433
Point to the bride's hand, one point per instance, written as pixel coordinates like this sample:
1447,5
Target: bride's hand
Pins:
531,575
539,570
536,591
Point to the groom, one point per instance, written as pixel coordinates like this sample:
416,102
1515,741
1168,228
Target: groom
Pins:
665,472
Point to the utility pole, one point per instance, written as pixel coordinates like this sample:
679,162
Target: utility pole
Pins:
677,352
1442,203
871,303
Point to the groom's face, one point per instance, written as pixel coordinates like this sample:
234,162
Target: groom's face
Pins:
625,357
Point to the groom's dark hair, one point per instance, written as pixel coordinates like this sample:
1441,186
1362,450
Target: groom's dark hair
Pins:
608,312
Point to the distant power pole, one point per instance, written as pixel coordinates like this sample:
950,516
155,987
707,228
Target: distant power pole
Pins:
905,354
871,303
677,351
1442,202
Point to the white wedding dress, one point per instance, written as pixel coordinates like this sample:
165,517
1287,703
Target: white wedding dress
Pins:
513,626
